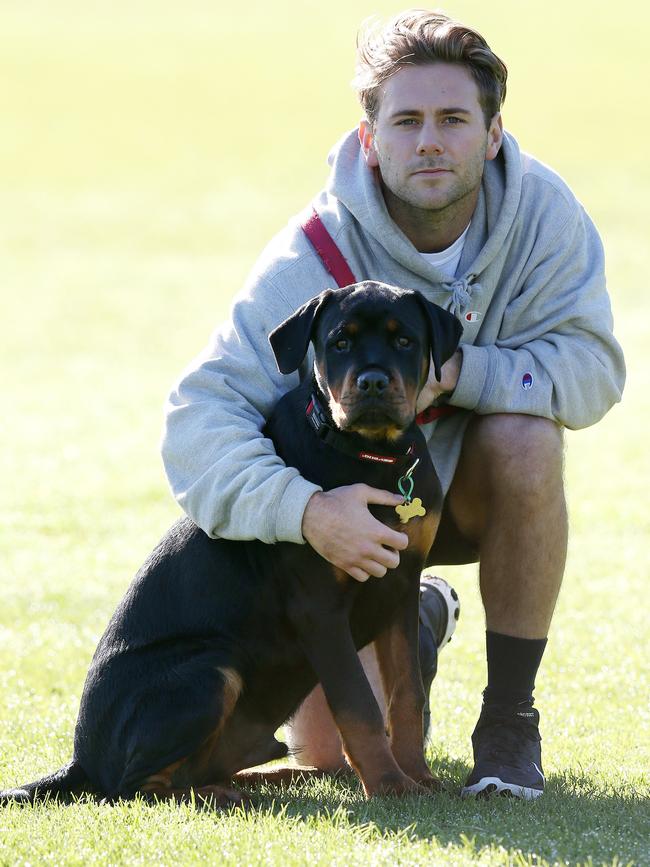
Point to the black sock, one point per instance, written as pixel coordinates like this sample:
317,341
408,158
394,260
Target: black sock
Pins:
512,666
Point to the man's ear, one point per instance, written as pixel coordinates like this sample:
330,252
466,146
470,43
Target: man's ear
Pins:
444,332
495,137
367,142
290,340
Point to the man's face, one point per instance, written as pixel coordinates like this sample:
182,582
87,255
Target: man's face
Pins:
429,140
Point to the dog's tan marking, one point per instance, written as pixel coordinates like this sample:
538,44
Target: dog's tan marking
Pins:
232,690
185,770
339,416
422,532
399,401
162,778
340,576
387,433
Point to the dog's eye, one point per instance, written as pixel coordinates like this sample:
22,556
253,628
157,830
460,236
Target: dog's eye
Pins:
342,344
403,341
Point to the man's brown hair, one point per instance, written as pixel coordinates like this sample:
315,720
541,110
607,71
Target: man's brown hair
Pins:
419,36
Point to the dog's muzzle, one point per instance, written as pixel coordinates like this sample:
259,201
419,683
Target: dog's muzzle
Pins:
373,382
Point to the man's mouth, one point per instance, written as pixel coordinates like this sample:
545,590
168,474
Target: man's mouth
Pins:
432,172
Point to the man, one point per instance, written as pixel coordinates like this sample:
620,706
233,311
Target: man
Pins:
430,194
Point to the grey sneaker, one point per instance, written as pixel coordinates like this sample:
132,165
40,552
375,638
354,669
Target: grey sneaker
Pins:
439,613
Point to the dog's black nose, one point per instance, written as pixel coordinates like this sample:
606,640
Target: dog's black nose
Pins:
372,381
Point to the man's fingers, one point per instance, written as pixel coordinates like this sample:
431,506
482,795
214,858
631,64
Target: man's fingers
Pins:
367,569
387,537
377,570
358,574
382,498
340,528
393,539
374,552
374,562
390,558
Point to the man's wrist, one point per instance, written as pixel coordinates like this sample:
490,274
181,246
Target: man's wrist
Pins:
287,517
451,372
473,376
311,505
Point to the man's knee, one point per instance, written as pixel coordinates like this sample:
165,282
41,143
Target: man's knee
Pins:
506,458
517,451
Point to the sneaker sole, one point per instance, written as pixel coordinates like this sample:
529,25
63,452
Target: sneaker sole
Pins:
489,786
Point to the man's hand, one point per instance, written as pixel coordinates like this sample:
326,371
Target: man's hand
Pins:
339,526
449,373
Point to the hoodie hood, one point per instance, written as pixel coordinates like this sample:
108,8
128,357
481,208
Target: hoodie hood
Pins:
357,187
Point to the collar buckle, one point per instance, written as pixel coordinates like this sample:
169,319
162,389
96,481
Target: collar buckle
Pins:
317,417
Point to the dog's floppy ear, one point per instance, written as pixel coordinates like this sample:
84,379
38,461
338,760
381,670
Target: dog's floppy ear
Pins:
289,341
444,332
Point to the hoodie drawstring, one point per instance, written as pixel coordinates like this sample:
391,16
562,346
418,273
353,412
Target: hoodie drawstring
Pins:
461,293
334,261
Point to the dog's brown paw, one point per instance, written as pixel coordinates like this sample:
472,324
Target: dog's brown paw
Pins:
418,770
431,783
396,784
220,798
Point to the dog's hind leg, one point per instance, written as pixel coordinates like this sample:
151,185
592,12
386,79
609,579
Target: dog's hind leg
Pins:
188,779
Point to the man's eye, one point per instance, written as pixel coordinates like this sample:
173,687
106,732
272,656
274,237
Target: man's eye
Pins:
342,343
404,341
454,120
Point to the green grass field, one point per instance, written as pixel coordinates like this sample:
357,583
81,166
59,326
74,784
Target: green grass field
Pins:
147,152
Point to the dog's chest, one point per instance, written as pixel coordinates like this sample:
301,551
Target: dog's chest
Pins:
375,603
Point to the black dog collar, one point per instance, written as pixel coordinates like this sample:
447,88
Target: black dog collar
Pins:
345,442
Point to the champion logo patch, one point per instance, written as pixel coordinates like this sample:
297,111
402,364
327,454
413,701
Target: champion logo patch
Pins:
472,316
527,381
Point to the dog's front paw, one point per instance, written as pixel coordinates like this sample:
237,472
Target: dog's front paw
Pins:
430,783
417,769
394,783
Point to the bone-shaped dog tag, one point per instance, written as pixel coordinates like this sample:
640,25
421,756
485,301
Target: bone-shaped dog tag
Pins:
410,510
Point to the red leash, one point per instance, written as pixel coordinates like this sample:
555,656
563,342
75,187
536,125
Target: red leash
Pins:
334,261
326,248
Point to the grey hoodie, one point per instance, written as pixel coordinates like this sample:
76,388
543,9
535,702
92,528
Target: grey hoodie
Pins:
529,290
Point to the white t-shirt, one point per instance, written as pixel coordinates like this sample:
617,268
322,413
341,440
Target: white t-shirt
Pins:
447,260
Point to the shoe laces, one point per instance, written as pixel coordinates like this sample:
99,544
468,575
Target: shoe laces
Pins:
505,734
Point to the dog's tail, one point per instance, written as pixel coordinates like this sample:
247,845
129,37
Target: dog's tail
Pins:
64,783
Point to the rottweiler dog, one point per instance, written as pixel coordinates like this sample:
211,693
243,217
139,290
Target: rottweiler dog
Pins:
217,642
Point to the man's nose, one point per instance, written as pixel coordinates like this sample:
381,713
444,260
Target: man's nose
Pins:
429,141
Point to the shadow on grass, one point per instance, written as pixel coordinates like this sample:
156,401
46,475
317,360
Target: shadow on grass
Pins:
577,819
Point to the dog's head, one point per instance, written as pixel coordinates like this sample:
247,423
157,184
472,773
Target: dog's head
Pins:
372,343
